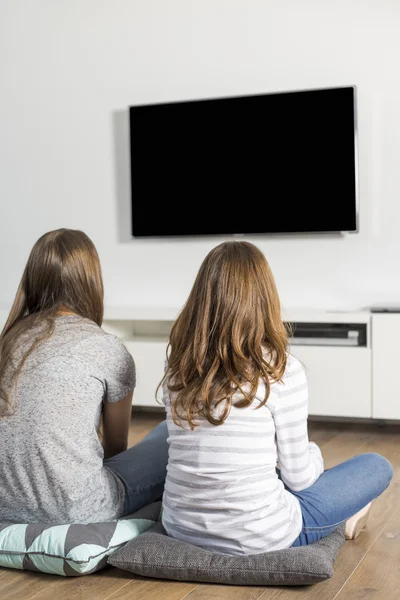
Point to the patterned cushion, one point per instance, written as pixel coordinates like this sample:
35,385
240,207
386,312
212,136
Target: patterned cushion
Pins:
73,549
154,554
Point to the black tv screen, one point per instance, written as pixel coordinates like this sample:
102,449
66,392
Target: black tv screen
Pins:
273,163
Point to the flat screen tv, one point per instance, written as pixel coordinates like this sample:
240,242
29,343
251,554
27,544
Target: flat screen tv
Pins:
269,163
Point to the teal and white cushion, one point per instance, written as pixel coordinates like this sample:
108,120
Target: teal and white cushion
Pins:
73,549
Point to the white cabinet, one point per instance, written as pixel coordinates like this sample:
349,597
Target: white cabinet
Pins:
3,318
149,357
386,366
339,380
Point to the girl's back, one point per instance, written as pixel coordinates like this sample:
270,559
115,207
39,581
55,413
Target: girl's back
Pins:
51,465
222,490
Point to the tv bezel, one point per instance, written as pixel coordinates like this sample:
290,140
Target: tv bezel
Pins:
272,234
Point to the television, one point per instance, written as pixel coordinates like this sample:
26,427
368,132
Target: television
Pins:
263,164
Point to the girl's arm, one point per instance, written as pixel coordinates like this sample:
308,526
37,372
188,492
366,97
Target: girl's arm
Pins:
119,382
300,461
116,422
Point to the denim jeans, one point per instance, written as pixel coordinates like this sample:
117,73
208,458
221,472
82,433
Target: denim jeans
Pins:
340,493
142,469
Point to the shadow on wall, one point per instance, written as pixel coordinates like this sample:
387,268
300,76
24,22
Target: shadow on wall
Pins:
122,177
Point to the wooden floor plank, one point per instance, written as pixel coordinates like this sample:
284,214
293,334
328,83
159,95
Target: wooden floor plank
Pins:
97,586
142,424
225,592
378,576
153,589
321,434
18,585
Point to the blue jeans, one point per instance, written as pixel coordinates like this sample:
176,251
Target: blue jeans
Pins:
142,469
340,493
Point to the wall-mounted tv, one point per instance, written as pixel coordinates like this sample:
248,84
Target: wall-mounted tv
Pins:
269,163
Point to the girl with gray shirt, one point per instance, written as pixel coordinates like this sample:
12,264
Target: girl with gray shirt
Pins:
60,376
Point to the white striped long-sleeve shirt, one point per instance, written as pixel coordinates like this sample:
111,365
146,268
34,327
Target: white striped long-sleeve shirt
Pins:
222,490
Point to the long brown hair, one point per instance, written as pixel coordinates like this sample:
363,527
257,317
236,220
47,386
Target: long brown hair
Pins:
228,335
63,273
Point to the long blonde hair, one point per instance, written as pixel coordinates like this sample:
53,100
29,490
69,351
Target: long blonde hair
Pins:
228,335
63,273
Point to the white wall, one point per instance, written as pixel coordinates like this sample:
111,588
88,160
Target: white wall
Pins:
70,68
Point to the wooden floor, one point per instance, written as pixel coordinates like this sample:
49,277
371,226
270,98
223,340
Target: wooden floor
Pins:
368,568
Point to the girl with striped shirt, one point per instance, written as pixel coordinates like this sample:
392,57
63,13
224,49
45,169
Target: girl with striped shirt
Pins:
242,476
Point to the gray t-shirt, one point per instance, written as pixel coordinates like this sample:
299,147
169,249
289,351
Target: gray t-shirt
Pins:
51,459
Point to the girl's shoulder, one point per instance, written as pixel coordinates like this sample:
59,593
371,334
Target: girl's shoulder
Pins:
95,346
294,378
108,346
112,362
294,368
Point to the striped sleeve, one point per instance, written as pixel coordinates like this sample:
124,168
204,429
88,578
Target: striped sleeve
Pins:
300,461
165,391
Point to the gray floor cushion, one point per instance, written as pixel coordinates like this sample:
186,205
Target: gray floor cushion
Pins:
154,554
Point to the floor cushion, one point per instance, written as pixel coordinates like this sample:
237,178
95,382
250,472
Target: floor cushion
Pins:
73,549
154,554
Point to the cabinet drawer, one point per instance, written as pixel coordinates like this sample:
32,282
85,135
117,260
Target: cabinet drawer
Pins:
339,380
